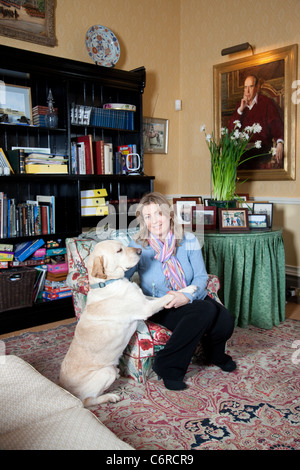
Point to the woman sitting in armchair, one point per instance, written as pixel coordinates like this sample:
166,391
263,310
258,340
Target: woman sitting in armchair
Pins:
171,260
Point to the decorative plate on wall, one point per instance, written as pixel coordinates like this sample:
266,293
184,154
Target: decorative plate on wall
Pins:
102,45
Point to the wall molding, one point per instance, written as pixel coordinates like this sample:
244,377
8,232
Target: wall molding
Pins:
292,270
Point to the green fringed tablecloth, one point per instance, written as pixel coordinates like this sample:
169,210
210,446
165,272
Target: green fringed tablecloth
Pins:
251,269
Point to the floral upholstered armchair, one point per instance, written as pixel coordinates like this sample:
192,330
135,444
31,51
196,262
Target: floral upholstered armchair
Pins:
149,338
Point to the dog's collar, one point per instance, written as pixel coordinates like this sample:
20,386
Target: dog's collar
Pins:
102,283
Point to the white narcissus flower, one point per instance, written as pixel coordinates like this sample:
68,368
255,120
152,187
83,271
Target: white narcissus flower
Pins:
257,144
237,123
273,151
208,137
202,128
256,128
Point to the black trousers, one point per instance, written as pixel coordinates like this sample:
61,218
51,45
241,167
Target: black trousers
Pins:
206,320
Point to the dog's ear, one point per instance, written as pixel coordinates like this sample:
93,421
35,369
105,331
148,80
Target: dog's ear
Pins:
98,268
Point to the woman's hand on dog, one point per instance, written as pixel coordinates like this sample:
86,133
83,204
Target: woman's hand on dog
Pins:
178,300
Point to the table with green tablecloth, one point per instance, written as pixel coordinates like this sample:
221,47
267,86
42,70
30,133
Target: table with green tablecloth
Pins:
251,269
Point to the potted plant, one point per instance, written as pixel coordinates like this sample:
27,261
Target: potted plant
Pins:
226,156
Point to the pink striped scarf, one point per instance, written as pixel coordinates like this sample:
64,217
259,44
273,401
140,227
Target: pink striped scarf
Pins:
171,266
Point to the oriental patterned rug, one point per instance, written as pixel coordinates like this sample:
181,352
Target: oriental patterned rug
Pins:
255,407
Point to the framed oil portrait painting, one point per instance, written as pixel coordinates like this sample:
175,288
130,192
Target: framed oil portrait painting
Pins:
155,135
28,21
272,77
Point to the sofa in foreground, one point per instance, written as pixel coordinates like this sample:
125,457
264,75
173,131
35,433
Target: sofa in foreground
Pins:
37,414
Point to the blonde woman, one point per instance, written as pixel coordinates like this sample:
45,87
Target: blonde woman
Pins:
171,260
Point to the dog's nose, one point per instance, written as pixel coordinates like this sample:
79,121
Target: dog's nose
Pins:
138,251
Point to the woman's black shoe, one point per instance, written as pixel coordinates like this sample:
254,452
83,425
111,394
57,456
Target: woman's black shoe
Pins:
228,366
169,383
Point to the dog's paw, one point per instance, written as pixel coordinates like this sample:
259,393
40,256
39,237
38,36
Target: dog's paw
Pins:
189,289
113,397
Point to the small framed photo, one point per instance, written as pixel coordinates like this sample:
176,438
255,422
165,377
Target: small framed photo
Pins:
183,209
264,208
243,196
247,205
15,104
258,221
233,220
204,217
155,135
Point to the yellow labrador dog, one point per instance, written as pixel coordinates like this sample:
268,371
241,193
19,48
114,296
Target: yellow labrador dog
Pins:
113,307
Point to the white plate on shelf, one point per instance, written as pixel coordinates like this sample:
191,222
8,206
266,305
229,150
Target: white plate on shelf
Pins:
102,46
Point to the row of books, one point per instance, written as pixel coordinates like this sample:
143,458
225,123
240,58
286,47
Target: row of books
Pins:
99,117
98,157
32,217
88,157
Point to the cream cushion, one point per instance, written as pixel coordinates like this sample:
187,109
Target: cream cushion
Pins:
38,414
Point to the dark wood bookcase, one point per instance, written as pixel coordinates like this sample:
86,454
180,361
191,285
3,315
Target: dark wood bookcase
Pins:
71,82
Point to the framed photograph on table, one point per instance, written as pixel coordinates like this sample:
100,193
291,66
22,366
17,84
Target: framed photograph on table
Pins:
233,220
15,104
258,221
204,217
264,208
247,205
183,209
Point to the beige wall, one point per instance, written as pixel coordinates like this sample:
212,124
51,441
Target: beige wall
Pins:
179,41
206,28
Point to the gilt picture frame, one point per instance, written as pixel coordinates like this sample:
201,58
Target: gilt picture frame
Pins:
277,73
29,23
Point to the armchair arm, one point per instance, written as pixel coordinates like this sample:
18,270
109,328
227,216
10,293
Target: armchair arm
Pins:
213,285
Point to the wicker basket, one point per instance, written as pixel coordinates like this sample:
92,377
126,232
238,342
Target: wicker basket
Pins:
16,288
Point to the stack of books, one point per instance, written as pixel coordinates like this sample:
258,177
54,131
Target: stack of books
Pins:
39,115
55,284
93,202
6,254
26,249
46,163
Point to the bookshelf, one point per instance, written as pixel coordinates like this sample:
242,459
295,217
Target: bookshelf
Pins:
84,85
